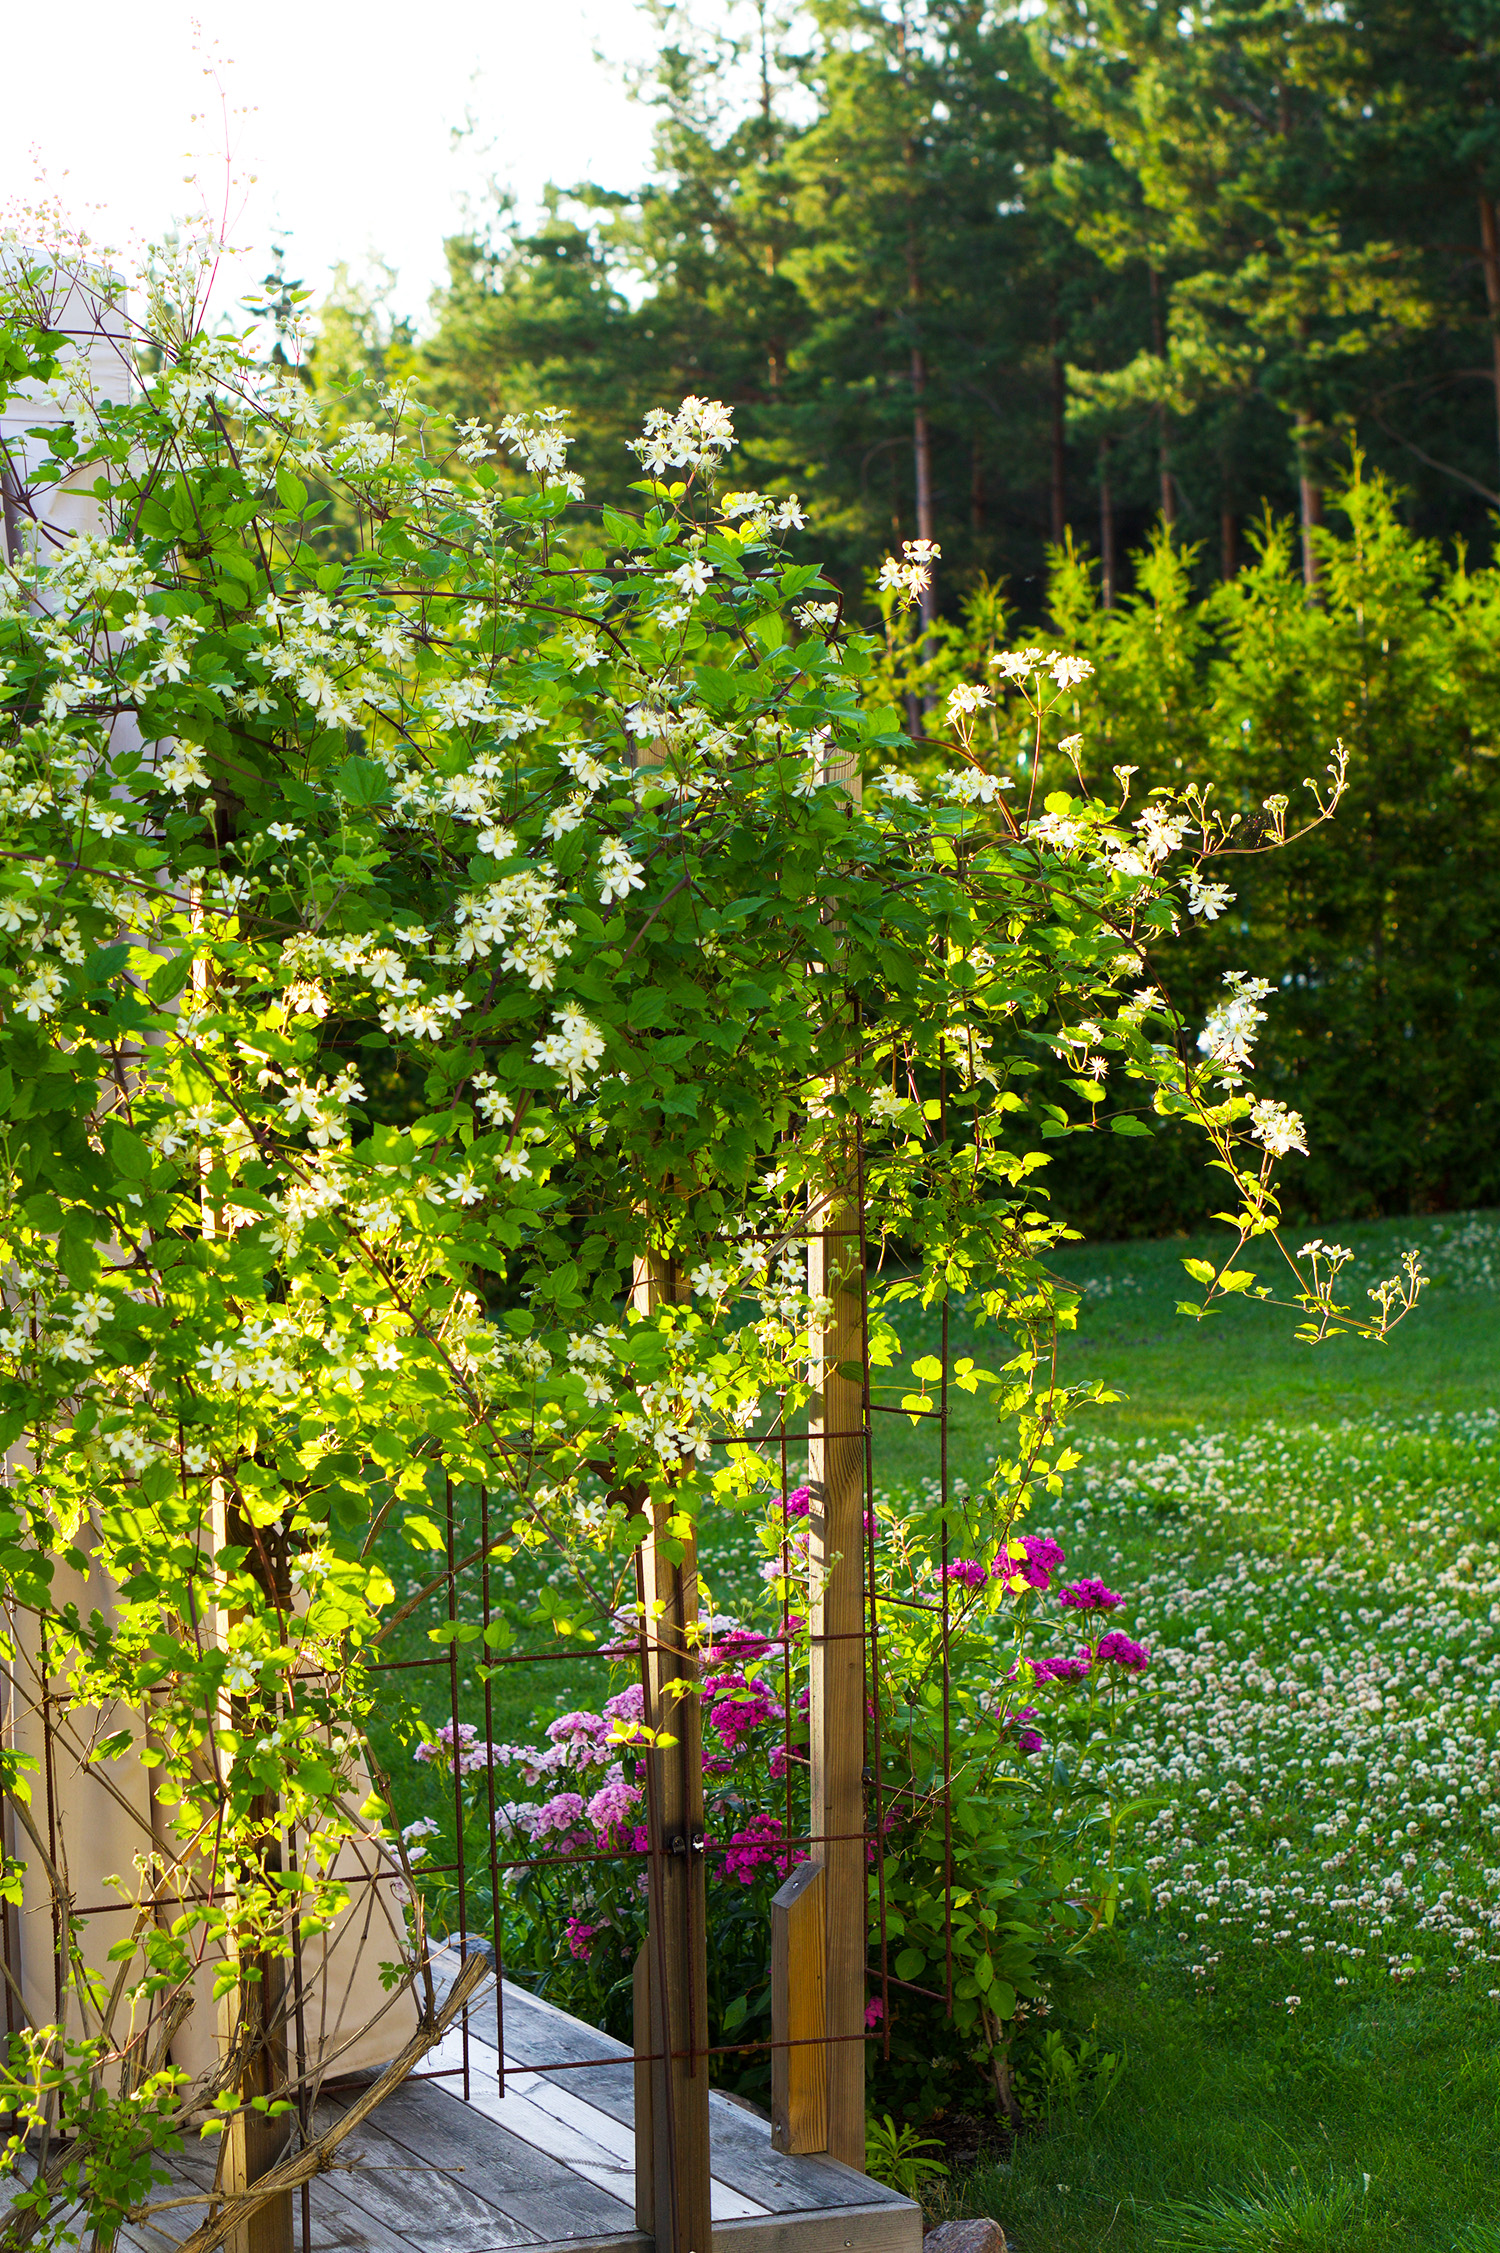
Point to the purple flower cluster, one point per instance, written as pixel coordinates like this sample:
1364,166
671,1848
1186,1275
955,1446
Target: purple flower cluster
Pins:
1089,1596
968,1572
581,1938
612,1807
753,1849
1062,1669
736,1705
1119,1650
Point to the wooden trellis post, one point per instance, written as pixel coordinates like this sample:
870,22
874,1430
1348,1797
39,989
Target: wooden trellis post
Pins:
818,1924
836,1523
671,1988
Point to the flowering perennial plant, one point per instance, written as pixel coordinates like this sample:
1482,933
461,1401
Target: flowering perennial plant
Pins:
401,936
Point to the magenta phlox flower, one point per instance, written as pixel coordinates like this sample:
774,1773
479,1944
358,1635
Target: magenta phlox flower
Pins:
581,1938
742,1648
753,1849
874,2013
780,1757
612,1806
737,1706
714,1764
1089,1596
639,1841
1062,1669
1029,1741
968,1572
797,1503
1119,1650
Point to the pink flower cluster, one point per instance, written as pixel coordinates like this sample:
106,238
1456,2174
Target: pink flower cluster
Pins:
470,1753
581,1938
753,1849
1119,1650
1062,1669
736,1705
1044,1557
968,1573
1089,1596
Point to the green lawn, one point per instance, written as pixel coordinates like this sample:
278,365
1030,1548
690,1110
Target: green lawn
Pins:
1308,2012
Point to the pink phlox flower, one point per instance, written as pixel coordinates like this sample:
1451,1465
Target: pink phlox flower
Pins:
1029,1741
627,1705
1061,1669
714,1764
613,1804
1089,1596
559,1815
591,1725
779,1758
1043,1557
738,1704
471,1754
639,1841
581,1938
1120,1650
797,1503
742,1648
874,2013
968,1572
751,1850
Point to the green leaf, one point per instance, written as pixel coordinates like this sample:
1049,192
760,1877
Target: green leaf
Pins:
363,782
167,982
131,1155
422,1533
290,490
909,1963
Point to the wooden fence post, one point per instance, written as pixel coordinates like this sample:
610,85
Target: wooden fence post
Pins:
799,2055
672,1999
836,1525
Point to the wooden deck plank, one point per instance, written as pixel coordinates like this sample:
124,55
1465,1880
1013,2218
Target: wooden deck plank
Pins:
549,2199
545,2039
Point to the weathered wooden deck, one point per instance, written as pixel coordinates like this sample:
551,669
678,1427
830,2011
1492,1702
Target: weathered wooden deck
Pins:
552,2163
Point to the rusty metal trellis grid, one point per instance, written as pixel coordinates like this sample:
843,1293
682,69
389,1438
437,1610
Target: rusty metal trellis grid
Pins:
827,1943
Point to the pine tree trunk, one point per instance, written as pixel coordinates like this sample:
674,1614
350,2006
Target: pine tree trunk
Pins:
922,455
1163,442
1490,239
1311,496
1059,443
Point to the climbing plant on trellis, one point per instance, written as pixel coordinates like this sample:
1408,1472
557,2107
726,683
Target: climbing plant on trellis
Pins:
476,988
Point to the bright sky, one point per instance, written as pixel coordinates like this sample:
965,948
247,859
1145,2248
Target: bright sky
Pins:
343,112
